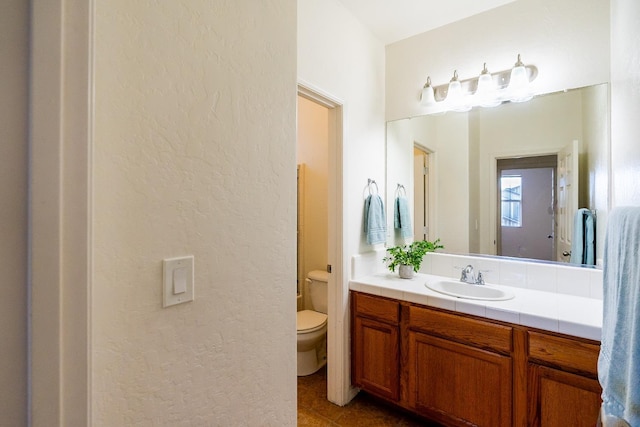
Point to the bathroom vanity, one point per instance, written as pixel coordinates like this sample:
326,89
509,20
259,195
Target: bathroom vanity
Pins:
462,369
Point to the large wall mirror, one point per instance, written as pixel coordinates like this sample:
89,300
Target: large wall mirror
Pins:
505,180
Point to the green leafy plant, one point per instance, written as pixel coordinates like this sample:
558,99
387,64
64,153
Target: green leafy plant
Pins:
410,254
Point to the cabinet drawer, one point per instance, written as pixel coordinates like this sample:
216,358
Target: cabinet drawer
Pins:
462,329
376,307
567,353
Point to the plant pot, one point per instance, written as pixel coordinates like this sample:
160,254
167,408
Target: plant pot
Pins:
405,271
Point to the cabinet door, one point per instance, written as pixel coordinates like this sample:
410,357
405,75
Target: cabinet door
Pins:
376,357
562,399
457,384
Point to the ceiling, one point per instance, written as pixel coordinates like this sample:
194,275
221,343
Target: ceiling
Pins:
393,20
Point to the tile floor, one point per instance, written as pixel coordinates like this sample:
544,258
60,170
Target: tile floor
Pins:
315,410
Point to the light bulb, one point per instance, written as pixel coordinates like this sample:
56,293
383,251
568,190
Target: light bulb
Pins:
519,83
486,92
428,98
455,98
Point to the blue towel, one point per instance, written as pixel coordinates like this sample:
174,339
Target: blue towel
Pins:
375,222
401,218
619,360
583,243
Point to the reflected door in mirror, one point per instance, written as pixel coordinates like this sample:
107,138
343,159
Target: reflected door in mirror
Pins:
526,220
567,198
420,194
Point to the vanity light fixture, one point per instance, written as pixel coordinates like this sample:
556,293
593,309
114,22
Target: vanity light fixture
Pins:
486,90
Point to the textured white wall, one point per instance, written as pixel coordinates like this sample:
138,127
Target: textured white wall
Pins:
625,102
195,154
567,40
14,51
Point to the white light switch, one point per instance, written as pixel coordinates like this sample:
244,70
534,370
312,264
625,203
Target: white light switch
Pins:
177,280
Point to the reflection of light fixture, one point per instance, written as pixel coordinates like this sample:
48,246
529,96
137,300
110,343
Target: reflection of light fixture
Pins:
486,90
485,95
428,98
455,97
519,83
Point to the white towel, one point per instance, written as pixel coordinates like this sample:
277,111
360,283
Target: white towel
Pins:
619,360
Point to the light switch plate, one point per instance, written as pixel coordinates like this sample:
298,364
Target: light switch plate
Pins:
177,280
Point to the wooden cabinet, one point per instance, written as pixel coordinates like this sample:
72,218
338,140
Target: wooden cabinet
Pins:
460,369
463,370
376,345
457,384
562,381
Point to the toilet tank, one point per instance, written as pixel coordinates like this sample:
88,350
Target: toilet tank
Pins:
318,291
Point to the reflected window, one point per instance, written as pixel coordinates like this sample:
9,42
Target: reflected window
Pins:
511,202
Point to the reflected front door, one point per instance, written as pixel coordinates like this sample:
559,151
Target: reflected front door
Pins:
526,186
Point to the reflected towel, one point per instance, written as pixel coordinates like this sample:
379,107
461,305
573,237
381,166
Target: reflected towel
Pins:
375,222
401,217
583,243
619,360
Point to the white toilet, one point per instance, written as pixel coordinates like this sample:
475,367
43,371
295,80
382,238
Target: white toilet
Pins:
312,326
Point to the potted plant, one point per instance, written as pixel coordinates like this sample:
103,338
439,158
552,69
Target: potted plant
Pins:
409,257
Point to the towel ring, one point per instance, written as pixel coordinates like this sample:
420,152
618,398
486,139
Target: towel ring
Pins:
400,190
369,187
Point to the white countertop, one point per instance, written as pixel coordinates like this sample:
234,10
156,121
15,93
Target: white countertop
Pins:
555,312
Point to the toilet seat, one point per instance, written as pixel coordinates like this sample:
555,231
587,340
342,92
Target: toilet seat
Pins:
309,321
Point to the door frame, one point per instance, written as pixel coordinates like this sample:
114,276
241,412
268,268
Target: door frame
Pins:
490,247
339,389
526,162
60,209
432,189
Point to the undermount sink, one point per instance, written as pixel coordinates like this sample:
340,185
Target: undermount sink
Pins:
469,291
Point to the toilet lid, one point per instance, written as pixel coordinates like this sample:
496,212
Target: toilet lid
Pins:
308,320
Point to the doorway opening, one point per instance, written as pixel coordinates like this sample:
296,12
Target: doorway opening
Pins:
526,220
339,390
421,193
312,201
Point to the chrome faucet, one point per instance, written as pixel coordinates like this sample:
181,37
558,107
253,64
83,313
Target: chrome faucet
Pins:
468,276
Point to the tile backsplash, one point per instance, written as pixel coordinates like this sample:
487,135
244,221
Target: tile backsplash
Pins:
541,276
